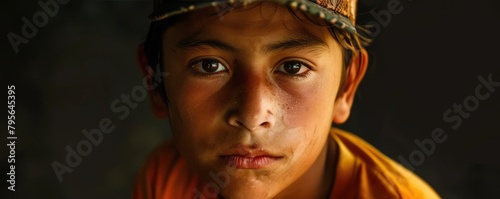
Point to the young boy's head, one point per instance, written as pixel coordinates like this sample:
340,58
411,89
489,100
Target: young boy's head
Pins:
251,89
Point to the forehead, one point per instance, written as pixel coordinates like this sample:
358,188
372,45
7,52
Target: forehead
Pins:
269,19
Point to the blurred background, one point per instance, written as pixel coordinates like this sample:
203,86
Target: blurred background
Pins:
428,57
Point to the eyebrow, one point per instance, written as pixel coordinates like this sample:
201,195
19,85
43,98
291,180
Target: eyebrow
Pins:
292,42
296,42
198,43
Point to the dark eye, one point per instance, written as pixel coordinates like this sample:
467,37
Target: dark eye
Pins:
293,68
208,66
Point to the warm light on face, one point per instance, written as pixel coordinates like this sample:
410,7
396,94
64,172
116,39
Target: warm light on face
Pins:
251,96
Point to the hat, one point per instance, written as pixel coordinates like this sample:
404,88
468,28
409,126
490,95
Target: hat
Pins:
339,13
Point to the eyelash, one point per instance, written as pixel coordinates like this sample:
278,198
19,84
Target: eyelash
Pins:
297,76
192,65
304,75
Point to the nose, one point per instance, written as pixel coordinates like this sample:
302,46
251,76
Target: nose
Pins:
254,104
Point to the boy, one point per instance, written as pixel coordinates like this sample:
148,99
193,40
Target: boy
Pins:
251,89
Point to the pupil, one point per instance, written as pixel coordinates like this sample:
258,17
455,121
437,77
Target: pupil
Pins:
292,67
210,66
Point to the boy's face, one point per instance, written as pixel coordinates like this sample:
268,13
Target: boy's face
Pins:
251,96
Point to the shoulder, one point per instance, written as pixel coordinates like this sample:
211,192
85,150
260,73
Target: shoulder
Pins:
164,174
375,174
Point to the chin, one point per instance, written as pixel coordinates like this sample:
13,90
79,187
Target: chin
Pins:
249,188
246,193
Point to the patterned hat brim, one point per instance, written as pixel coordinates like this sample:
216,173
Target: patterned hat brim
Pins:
172,8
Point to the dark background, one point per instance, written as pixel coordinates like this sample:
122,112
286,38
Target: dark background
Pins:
424,60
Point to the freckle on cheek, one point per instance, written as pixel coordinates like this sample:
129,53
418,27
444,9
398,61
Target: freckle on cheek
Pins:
292,115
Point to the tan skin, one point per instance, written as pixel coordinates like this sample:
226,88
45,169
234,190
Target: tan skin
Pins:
242,82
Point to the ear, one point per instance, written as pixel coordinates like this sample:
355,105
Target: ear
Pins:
158,105
354,74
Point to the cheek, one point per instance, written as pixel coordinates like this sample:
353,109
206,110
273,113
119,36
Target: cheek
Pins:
193,114
309,105
195,109
307,114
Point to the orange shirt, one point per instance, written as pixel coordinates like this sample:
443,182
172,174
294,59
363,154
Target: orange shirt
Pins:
362,172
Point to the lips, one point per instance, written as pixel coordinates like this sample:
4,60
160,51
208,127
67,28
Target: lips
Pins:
249,159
